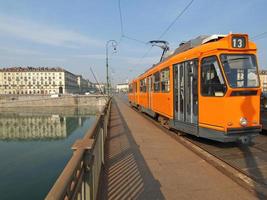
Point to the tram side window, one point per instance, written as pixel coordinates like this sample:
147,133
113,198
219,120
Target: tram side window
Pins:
165,80
151,84
212,82
143,85
130,88
157,82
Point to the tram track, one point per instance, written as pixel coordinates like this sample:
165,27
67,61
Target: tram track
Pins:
224,157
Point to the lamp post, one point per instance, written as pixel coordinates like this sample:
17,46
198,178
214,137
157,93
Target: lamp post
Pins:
114,45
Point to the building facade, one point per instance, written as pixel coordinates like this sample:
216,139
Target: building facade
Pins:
92,86
83,84
263,80
122,87
101,87
29,80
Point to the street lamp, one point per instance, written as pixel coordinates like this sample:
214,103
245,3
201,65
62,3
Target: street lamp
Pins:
113,44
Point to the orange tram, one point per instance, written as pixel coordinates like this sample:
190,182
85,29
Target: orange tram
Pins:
209,87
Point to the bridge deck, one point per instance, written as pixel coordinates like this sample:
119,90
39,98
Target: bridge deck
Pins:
142,162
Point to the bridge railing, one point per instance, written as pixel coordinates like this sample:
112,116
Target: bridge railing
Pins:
80,177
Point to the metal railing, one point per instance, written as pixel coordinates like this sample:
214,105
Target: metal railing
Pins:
80,178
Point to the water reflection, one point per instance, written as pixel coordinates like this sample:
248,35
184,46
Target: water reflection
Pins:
41,124
65,111
35,145
37,127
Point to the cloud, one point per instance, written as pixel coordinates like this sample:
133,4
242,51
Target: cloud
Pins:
44,34
20,52
56,60
18,56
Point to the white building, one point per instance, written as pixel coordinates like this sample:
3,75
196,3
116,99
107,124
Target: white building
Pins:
122,87
30,80
101,87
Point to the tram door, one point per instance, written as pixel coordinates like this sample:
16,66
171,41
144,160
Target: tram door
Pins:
150,89
179,91
186,93
135,92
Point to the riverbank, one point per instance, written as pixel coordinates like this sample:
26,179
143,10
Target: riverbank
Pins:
48,101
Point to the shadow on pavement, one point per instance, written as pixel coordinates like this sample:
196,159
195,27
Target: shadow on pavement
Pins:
126,174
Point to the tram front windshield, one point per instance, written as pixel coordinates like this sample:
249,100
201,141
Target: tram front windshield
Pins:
240,70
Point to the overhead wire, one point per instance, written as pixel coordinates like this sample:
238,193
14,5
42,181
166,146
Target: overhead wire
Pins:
176,18
121,21
99,88
126,36
134,39
259,36
168,27
123,34
144,55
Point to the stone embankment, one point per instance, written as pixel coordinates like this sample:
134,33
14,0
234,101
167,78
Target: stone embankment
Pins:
48,101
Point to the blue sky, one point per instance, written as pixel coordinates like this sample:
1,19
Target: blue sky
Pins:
73,34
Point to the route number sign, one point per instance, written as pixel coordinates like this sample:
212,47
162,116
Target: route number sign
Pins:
238,42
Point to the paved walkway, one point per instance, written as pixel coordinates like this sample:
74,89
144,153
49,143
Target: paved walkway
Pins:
143,162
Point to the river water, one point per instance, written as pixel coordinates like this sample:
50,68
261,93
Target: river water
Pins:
35,145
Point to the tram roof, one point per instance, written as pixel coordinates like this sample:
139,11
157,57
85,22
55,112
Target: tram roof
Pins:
189,45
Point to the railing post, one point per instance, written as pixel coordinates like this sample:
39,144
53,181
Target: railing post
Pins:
105,129
102,134
88,176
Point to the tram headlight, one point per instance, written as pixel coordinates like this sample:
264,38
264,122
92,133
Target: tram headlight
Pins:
243,121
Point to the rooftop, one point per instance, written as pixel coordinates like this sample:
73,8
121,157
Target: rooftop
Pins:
263,72
32,69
